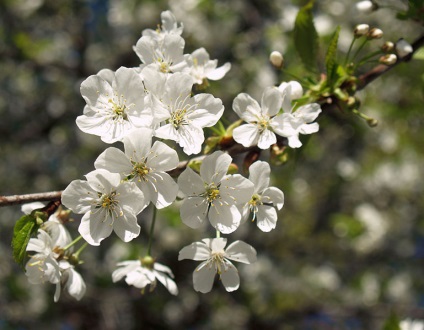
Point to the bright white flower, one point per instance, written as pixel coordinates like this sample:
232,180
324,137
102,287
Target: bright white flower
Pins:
276,59
299,120
296,90
201,67
185,116
169,26
114,108
145,165
265,200
107,204
217,261
262,119
409,324
214,195
140,274
166,55
48,265
403,48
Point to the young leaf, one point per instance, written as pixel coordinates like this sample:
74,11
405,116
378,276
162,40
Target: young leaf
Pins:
24,228
331,58
306,36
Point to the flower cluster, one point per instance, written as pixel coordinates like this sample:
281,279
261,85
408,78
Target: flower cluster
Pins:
138,106
53,260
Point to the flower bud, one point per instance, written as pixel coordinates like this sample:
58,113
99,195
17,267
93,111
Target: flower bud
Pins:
375,33
388,47
276,59
361,29
366,7
403,48
388,59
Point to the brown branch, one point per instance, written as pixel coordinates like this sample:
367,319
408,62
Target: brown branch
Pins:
38,197
381,69
230,146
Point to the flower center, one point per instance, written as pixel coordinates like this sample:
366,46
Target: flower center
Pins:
254,202
118,111
108,201
141,170
263,123
218,258
178,118
212,193
164,66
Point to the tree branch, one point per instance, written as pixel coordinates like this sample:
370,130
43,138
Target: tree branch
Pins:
381,69
38,197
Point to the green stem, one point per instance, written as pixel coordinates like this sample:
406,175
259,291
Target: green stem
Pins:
366,58
76,254
360,48
348,52
152,228
218,234
76,240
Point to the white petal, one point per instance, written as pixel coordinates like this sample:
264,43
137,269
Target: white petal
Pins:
308,112
102,180
224,218
138,143
162,189
271,101
215,244
129,195
247,135
126,226
209,110
266,218
219,72
195,251
190,183
273,195
138,279
215,166
167,283
241,252
57,292
266,139
29,207
94,228
283,125
162,268
75,284
94,86
127,267
246,107
162,157
294,141
113,160
190,138
236,189
309,128
193,211
259,175
230,278
203,277
78,196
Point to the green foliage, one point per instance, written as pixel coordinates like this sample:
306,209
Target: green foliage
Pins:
392,323
24,228
306,37
331,58
415,11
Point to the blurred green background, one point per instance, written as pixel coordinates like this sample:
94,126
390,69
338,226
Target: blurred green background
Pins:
348,250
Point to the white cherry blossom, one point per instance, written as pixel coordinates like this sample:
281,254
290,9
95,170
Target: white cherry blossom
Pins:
214,195
265,200
169,26
216,260
145,165
262,119
201,67
107,204
140,273
184,116
114,108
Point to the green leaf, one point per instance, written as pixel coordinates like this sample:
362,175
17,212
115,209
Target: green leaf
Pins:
24,228
392,322
306,36
419,54
331,58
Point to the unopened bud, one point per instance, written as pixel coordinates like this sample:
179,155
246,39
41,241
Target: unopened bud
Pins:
403,48
388,59
361,30
372,122
366,7
388,47
375,33
276,59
